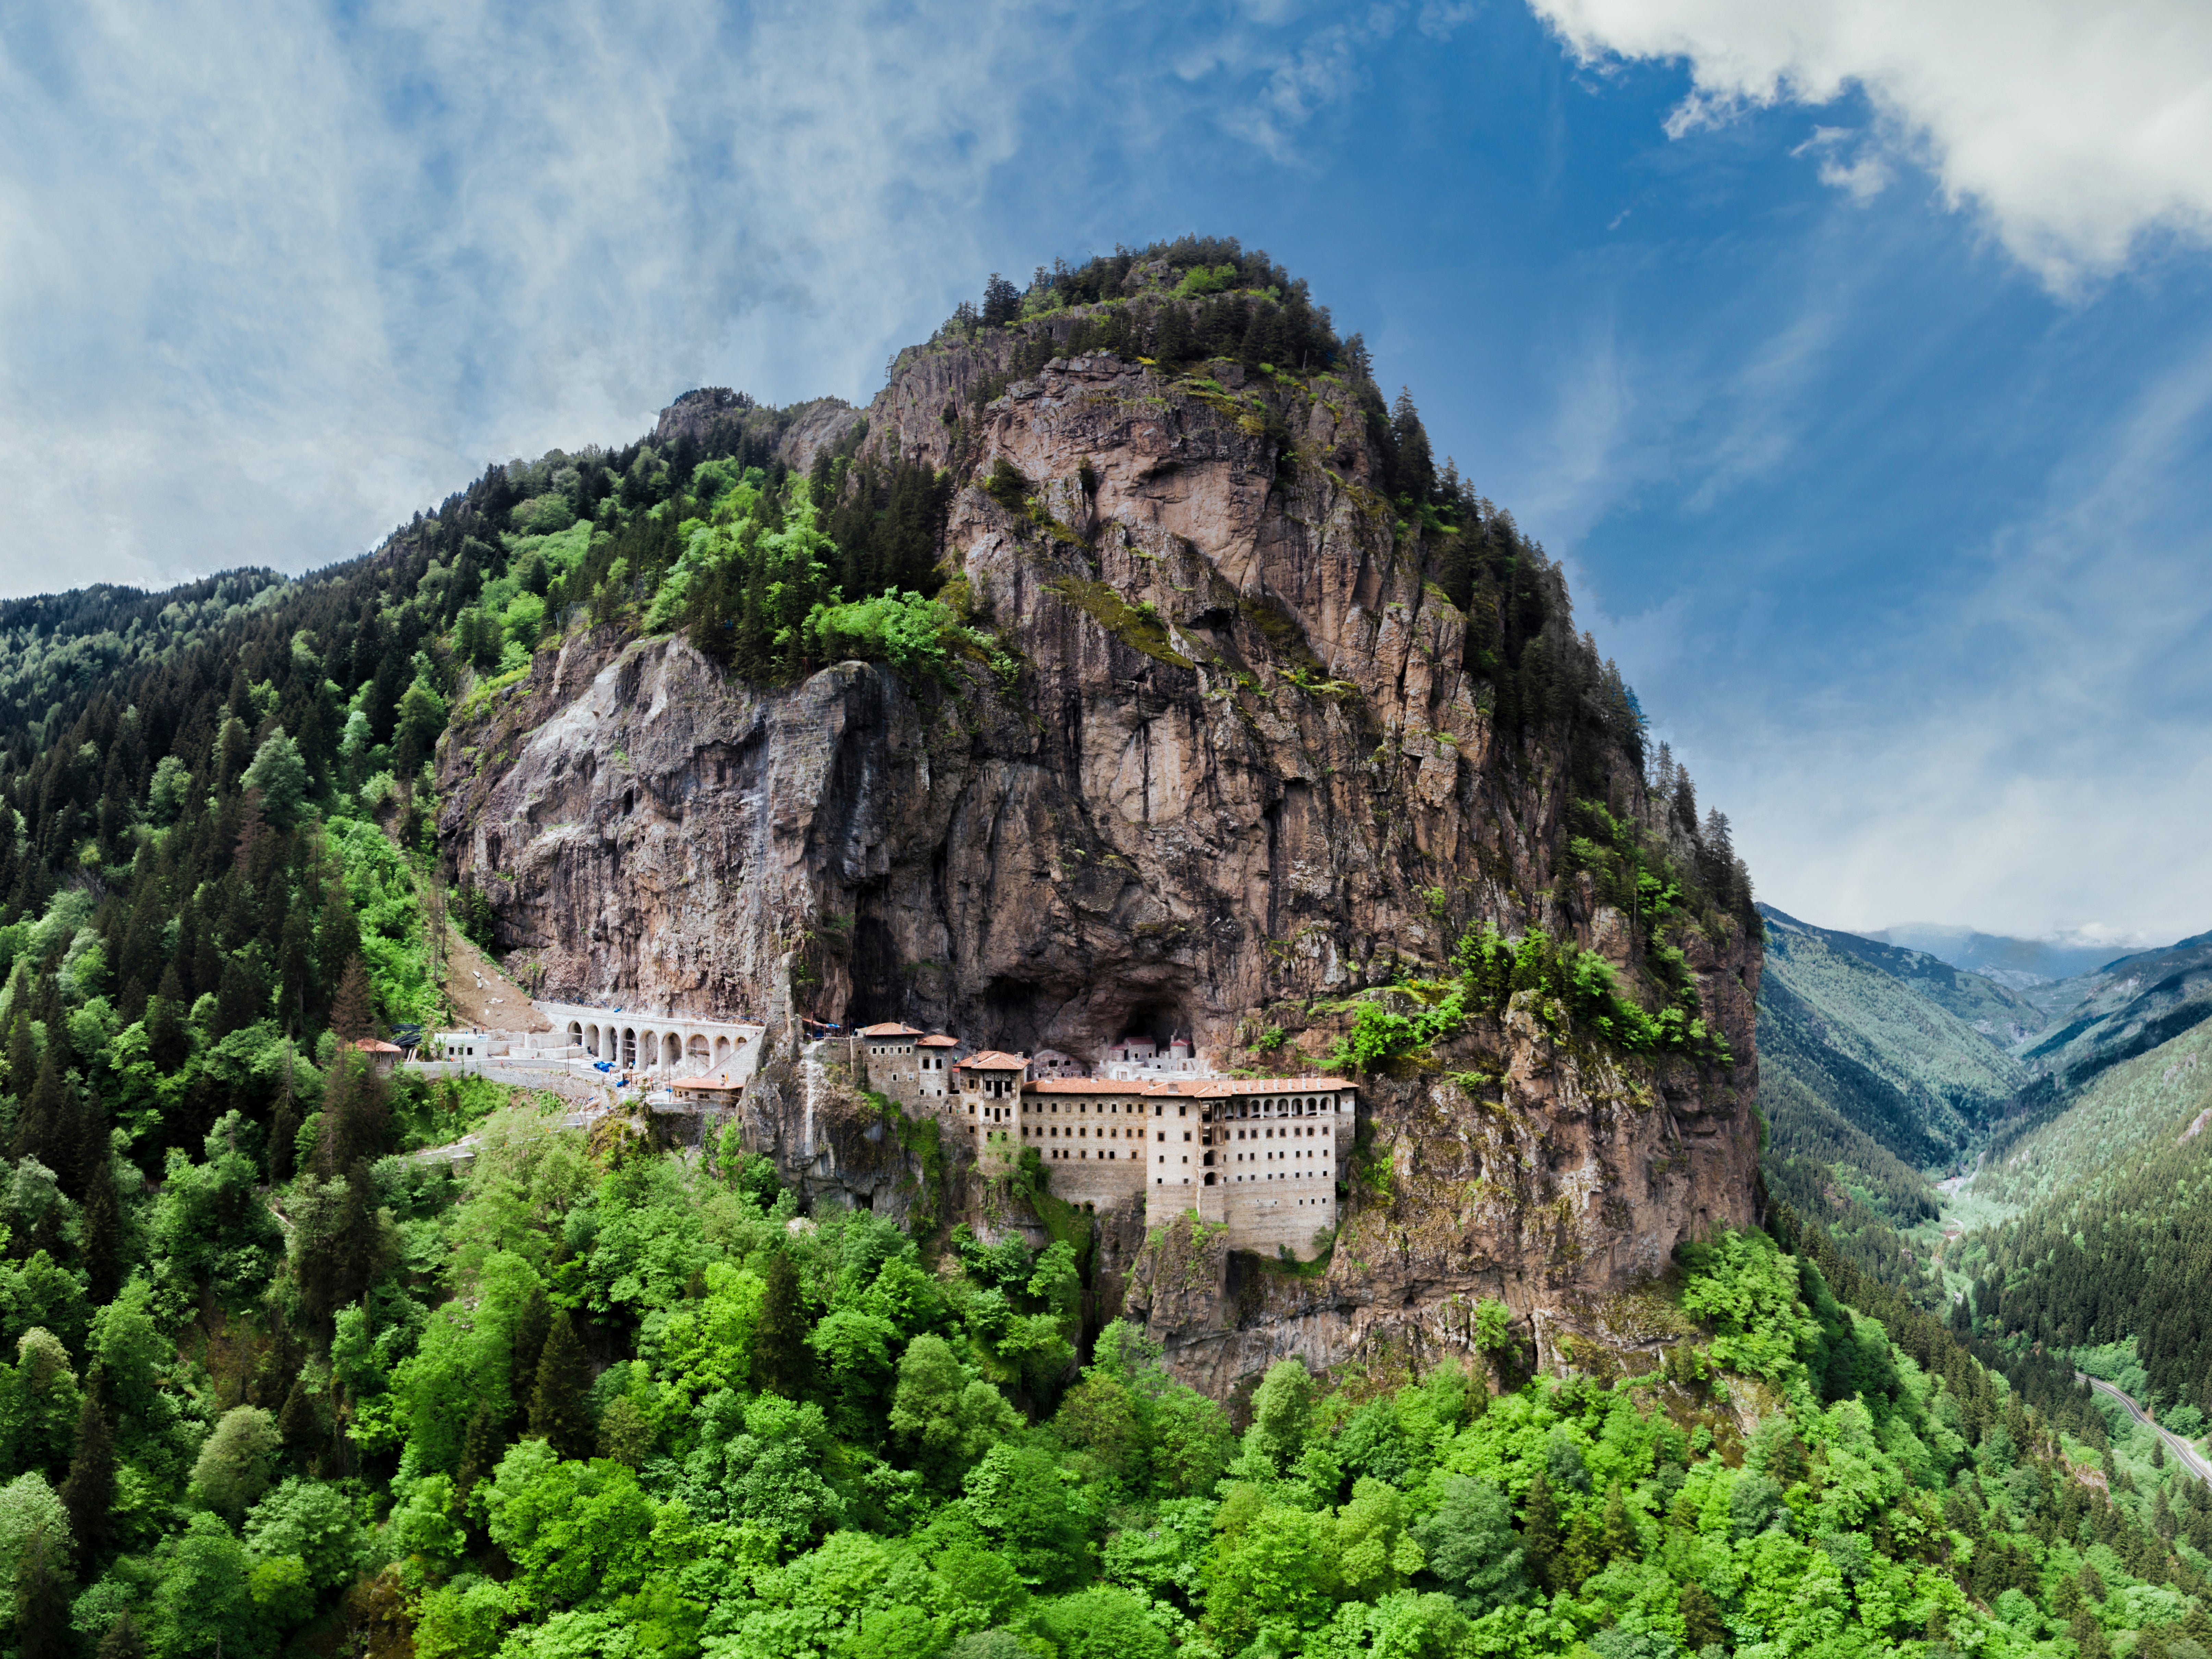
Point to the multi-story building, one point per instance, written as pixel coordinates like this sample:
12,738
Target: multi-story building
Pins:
1260,1156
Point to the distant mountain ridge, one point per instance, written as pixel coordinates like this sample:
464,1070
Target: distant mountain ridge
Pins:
2018,962
1996,1010
2127,1007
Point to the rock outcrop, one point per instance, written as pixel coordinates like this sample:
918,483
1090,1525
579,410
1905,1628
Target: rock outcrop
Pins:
1247,767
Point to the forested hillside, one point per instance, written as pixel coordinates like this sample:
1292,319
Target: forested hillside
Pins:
2126,1008
59,649
2107,1252
2116,1244
1876,1065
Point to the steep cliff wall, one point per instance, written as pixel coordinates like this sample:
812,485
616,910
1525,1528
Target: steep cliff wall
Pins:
1245,769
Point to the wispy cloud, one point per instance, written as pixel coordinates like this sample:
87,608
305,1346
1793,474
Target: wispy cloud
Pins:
2028,754
2078,127
279,274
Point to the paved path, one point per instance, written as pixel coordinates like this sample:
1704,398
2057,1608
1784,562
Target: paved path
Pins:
2192,1459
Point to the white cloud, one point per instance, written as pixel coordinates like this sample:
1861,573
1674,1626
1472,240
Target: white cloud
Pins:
2079,127
278,275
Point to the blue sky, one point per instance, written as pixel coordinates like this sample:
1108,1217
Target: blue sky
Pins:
1856,357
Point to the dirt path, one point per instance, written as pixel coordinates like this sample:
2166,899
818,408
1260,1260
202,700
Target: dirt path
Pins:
2192,1459
482,993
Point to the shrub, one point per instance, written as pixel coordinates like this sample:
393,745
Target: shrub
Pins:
904,629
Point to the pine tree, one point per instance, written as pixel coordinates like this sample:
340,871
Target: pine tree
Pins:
1540,1534
1685,800
44,1117
42,1602
283,1127
337,944
356,1112
206,959
123,1640
138,964
480,1450
1617,1532
300,1422
351,1017
557,1404
531,1327
1415,474
168,1040
22,1048
1002,301
1702,1624
241,1000
102,1223
780,1351
89,1490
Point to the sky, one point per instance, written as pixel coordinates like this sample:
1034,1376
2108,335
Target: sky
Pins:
1854,355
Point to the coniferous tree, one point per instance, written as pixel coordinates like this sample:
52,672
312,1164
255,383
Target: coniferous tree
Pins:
22,1047
240,1002
1415,473
1702,1625
88,1493
168,1040
295,971
123,1640
558,1408
356,1112
780,1351
1541,1538
1617,1532
1002,301
284,1126
44,1118
531,1327
102,1225
480,1450
42,1600
351,1018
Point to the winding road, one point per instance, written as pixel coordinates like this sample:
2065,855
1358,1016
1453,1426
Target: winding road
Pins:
2192,1459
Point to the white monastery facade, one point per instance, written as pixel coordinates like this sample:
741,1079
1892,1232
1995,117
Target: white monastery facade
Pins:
1259,1156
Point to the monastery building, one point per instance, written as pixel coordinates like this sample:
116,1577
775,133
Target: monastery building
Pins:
1260,1156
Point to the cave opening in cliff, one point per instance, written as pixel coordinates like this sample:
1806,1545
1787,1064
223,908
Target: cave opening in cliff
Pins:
1155,1021
879,981
1015,1013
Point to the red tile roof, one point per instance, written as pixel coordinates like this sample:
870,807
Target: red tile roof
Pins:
1188,1088
375,1046
889,1028
939,1040
992,1060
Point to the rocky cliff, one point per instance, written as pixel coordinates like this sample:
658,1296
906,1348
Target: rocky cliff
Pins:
1250,763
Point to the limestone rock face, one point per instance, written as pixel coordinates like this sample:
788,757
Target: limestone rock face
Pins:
1245,770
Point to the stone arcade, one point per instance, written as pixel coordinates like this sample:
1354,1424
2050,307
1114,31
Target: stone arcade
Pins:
1259,1156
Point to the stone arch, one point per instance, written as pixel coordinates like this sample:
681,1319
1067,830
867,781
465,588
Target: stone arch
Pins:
724,1050
696,1049
671,1051
575,1034
629,1045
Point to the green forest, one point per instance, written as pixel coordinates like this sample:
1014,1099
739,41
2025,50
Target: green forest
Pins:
594,1398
